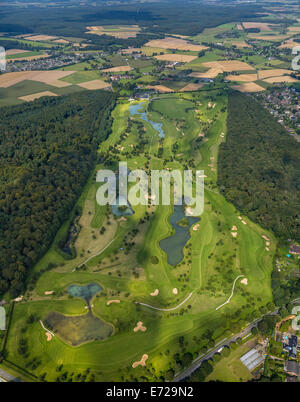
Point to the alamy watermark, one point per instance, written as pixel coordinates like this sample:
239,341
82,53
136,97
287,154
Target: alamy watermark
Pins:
296,320
296,60
133,187
2,59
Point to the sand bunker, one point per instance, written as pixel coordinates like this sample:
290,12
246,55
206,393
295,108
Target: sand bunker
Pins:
175,291
155,293
234,234
49,336
234,228
244,281
243,222
265,238
196,227
112,301
49,292
140,327
142,362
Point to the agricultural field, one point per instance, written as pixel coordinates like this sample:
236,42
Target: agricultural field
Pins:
128,256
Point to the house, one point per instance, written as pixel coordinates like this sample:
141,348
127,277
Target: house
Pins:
292,368
291,379
291,346
294,249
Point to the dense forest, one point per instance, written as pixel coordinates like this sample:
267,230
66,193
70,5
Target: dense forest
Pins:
167,16
47,150
259,168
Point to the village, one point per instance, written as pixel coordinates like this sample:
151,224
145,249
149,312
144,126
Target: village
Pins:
284,104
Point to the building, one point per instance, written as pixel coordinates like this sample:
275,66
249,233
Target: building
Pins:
252,359
292,368
291,346
294,249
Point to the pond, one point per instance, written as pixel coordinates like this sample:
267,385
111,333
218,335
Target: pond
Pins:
122,210
78,329
174,244
138,109
86,292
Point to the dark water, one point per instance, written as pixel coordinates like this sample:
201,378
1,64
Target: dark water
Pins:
86,292
122,212
79,329
136,109
173,245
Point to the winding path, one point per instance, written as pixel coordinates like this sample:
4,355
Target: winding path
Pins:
47,330
229,298
167,309
96,255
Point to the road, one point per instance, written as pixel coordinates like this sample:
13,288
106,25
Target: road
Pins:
5,377
224,342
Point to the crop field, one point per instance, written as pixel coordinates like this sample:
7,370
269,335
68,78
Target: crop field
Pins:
242,77
181,58
248,87
14,94
175,43
94,84
29,98
117,31
120,339
121,69
47,77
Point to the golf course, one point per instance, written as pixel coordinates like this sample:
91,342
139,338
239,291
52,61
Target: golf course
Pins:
107,271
